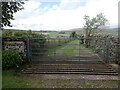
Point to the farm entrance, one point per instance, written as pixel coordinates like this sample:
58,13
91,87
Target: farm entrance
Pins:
59,49
61,56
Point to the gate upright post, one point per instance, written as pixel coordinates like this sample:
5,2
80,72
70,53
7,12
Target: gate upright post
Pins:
28,49
54,50
106,49
79,49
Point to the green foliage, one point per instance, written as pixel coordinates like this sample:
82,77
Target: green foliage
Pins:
8,9
29,33
20,33
36,35
11,81
7,33
25,34
73,35
11,59
93,24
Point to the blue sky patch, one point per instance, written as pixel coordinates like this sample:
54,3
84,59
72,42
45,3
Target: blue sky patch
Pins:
48,4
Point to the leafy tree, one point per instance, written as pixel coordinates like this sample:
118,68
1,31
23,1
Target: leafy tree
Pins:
20,33
8,9
73,35
38,42
7,33
29,33
93,24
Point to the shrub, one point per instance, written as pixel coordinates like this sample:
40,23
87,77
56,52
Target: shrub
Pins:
7,33
11,59
73,35
20,33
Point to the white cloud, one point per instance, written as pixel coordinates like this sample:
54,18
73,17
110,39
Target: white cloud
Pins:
68,14
69,4
108,7
30,9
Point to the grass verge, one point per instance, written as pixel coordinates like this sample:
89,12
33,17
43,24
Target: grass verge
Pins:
11,81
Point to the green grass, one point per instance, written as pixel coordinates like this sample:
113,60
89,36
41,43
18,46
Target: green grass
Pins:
11,81
55,34
65,52
86,51
52,51
55,45
70,48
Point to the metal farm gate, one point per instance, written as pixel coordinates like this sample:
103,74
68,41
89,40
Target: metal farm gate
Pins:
58,49
66,55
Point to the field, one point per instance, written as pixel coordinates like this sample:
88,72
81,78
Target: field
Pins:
54,34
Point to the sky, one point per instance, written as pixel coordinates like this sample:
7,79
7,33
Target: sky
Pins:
63,14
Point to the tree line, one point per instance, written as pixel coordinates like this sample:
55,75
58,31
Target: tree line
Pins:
11,35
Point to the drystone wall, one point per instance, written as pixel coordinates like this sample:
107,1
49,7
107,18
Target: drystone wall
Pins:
18,44
107,47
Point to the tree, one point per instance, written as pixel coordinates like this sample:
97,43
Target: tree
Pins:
29,33
73,35
7,33
8,9
91,25
20,33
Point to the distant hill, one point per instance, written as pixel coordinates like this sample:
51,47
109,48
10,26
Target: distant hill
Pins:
32,30
110,31
14,30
